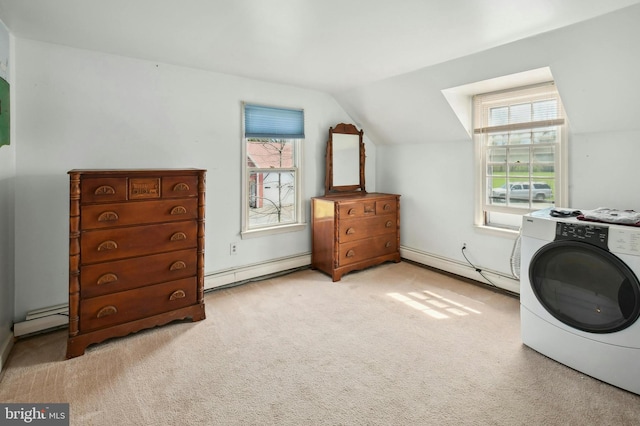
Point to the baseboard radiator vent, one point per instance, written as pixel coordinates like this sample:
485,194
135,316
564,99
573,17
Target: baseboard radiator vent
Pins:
243,274
42,319
498,279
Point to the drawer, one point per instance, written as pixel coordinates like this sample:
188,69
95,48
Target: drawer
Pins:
356,251
179,186
140,212
356,209
118,308
120,275
120,243
357,229
103,190
386,206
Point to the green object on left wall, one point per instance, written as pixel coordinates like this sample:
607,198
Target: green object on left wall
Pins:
4,112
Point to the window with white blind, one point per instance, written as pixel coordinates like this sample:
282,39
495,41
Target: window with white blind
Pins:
272,150
520,137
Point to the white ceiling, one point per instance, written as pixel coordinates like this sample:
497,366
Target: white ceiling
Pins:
328,45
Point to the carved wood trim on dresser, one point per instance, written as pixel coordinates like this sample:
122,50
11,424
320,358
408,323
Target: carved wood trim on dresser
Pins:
136,251
354,231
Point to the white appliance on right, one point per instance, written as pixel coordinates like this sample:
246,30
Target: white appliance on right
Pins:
580,295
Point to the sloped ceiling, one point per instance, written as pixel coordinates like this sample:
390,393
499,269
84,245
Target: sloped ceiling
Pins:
594,63
371,55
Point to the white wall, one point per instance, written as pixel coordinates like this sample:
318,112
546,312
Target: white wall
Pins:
83,109
425,154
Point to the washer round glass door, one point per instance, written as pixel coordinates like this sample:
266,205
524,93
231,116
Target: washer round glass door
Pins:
585,286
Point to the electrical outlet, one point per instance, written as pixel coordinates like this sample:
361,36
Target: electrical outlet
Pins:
233,248
464,246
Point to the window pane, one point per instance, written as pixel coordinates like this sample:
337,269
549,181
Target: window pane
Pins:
496,156
545,110
518,163
544,158
520,137
520,113
271,198
498,116
496,172
546,135
519,195
497,139
266,153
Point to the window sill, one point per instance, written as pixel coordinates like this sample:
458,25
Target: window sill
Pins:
263,232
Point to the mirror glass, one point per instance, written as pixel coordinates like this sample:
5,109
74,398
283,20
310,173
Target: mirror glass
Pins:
346,159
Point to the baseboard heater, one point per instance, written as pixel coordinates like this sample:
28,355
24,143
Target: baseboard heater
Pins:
42,319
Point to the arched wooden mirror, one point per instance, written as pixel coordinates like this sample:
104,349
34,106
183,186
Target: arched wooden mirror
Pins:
345,160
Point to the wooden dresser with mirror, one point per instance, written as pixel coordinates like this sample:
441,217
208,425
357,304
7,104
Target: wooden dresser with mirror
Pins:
351,229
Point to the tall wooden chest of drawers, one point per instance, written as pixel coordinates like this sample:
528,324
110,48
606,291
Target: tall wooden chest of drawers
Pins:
355,231
136,251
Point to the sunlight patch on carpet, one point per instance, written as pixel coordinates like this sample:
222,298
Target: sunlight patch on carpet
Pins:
433,304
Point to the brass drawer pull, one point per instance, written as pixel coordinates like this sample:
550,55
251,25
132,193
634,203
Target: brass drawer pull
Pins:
108,217
177,265
179,236
388,224
350,231
107,245
178,294
178,210
350,253
106,311
105,190
180,187
387,207
107,278
388,244
351,212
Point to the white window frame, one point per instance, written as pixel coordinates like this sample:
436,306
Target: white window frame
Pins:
299,223
483,209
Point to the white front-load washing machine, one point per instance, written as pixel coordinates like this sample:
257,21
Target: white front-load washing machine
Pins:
580,295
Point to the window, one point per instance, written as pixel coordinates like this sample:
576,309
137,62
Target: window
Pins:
520,136
271,179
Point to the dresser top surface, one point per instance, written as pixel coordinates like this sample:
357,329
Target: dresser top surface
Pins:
355,196
109,172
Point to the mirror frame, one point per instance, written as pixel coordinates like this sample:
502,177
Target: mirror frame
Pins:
329,188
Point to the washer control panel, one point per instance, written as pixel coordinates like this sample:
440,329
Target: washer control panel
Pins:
592,234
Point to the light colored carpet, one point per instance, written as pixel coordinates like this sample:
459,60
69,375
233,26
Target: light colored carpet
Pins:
396,344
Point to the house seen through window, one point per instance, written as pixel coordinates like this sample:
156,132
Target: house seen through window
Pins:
520,136
272,144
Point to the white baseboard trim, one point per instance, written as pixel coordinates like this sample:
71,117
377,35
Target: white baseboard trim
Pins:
463,269
5,350
36,325
249,272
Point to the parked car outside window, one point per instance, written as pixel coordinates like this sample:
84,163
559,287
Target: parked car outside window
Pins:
539,191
